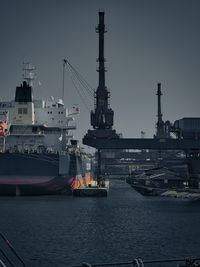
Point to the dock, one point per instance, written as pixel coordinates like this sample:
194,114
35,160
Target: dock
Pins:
92,190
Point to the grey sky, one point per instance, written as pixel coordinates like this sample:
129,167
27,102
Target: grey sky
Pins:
148,41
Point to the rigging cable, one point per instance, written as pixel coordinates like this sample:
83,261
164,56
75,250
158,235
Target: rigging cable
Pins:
83,92
82,98
80,78
77,77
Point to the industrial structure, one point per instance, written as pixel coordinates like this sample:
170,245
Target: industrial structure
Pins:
162,128
102,115
186,130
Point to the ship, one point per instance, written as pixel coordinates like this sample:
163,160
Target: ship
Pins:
38,153
158,180
164,181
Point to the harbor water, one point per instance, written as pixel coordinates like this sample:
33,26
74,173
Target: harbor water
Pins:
66,231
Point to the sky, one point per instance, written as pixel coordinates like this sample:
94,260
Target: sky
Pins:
147,42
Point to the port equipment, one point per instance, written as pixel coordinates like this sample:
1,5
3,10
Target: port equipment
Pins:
101,118
162,128
147,143
104,137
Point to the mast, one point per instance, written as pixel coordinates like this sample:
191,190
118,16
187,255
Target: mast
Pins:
102,116
160,123
63,80
101,30
28,74
159,102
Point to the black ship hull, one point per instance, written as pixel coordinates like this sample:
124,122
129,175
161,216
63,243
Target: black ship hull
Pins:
42,174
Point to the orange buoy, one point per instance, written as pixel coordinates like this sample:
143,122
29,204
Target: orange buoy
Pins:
2,127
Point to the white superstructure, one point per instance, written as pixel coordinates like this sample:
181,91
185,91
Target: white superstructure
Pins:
37,125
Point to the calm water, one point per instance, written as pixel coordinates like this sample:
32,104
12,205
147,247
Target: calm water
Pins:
65,231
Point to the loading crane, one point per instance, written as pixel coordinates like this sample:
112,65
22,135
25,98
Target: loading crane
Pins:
103,136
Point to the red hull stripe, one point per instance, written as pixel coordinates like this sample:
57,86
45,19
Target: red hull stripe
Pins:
25,179
48,182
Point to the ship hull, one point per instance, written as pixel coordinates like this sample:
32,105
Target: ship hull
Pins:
148,191
38,174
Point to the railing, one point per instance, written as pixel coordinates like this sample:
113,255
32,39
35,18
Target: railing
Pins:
6,257
188,262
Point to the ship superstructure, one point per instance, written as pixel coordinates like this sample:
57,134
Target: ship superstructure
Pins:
39,155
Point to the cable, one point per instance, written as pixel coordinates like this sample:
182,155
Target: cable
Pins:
83,92
85,84
83,100
80,79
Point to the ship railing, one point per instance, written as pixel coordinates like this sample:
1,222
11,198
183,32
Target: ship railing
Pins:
186,262
7,257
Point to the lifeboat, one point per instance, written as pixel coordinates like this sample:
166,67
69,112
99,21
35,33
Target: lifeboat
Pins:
3,127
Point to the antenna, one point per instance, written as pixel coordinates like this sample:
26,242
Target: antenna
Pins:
28,74
63,81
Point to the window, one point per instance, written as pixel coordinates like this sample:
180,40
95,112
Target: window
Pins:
22,111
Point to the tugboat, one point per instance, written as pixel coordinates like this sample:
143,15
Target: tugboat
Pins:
38,154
